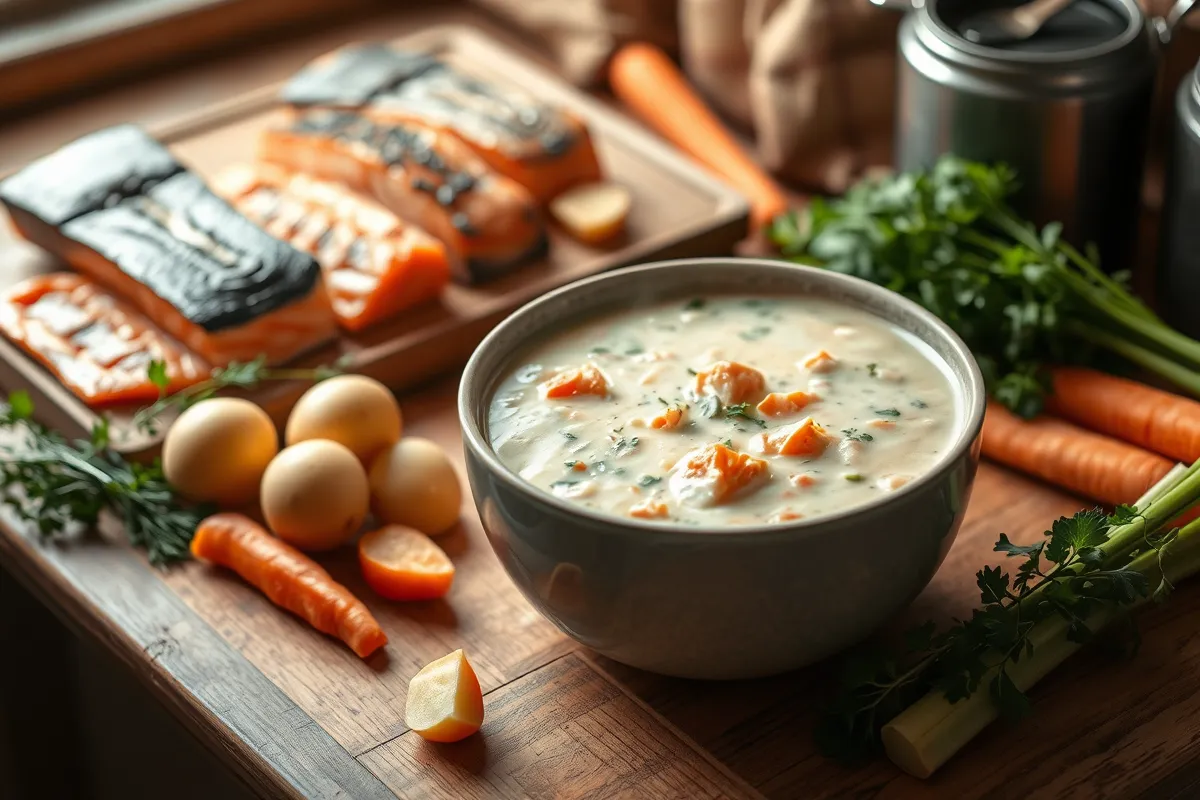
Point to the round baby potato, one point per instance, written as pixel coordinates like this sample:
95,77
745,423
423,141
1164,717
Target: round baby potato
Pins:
218,449
414,484
353,410
314,495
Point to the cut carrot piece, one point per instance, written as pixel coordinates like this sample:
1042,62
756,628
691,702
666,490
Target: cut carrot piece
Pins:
819,361
732,382
585,380
778,404
672,417
882,424
445,703
649,509
1087,463
802,481
786,515
712,474
805,438
402,563
289,579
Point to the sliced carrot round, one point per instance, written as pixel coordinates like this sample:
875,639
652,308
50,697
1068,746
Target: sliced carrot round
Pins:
445,703
401,563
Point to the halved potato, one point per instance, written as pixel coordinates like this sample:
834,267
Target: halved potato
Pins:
445,703
593,212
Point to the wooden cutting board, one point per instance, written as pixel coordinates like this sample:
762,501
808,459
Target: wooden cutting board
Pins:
678,211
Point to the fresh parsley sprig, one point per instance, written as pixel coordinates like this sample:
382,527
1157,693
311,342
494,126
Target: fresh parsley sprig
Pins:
1020,298
55,485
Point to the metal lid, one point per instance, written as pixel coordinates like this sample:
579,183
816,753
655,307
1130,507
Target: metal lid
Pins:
1092,41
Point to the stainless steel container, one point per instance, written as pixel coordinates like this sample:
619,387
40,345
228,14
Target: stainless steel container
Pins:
1068,109
1178,285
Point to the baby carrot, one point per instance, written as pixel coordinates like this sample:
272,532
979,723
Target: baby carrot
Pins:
1151,418
644,78
1078,460
289,579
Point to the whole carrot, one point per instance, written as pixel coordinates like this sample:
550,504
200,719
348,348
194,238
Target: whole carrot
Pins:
1151,418
289,578
645,79
1081,461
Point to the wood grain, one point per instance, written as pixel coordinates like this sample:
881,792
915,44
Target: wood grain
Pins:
562,730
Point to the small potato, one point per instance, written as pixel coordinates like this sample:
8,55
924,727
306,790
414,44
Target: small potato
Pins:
594,212
414,484
315,495
218,450
352,410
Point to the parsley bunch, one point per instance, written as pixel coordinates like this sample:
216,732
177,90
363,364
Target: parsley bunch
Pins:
946,685
1020,298
56,484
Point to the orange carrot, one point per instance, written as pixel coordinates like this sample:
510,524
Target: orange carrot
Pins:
585,380
1151,418
644,78
289,579
1083,462
401,563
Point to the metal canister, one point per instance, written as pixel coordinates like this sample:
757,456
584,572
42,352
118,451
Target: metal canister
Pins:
1178,284
1068,109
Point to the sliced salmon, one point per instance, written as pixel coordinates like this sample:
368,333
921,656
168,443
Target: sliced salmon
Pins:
804,438
118,207
713,474
780,404
488,223
98,346
545,149
375,264
672,417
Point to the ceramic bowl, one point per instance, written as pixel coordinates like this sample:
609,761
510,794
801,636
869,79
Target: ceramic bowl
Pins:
718,603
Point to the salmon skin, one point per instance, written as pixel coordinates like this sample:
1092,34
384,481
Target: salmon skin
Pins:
375,265
488,223
98,346
119,208
543,148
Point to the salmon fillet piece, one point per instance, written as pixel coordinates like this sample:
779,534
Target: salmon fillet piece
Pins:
98,346
375,264
545,149
118,207
488,223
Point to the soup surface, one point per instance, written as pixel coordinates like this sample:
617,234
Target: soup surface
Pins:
724,411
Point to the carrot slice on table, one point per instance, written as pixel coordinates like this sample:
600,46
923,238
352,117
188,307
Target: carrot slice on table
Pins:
445,703
779,404
732,382
805,438
289,579
401,563
1087,463
645,79
584,380
1151,418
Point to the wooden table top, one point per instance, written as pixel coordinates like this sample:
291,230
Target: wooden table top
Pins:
297,714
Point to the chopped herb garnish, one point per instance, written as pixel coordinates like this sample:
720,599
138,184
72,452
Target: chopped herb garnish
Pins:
852,433
853,477
695,304
691,371
570,436
600,350
710,406
887,412
742,411
728,443
618,430
873,370
563,483
664,402
754,334
648,480
571,464
635,350
624,446
919,404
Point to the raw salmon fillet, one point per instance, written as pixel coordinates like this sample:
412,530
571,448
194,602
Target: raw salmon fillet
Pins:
545,149
99,347
118,207
375,265
488,223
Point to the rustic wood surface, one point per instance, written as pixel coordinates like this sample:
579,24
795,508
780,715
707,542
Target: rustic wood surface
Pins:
295,714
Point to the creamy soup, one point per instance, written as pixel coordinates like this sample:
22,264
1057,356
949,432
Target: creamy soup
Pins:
724,411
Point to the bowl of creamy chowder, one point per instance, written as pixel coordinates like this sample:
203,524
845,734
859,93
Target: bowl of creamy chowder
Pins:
721,468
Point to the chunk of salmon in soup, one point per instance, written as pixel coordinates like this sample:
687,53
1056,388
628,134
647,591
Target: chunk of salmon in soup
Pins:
724,411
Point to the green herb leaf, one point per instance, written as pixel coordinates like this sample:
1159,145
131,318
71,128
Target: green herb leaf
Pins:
20,406
887,412
157,373
756,333
742,411
648,480
853,477
1012,550
709,406
854,435
873,370
695,304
